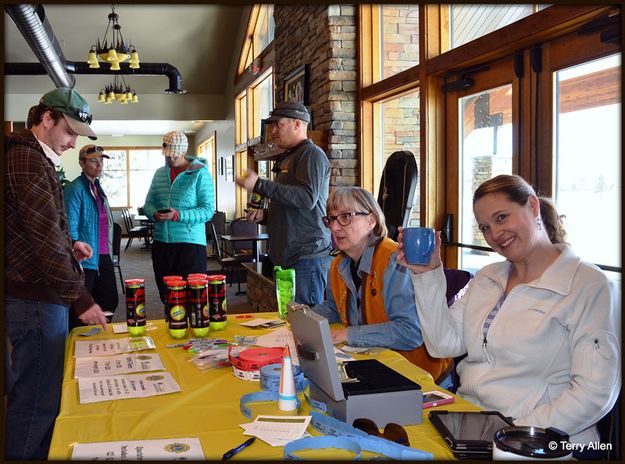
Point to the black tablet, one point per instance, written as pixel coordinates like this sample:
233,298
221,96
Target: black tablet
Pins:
469,434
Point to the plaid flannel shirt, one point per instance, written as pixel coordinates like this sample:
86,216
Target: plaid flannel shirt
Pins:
39,260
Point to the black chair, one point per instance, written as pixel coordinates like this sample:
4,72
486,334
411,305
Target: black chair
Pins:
241,226
117,242
132,230
456,279
229,264
219,221
610,432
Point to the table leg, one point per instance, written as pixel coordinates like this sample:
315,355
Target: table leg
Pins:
257,256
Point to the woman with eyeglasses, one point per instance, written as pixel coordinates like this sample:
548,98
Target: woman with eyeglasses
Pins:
368,292
541,329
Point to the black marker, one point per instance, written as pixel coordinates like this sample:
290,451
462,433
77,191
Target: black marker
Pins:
238,449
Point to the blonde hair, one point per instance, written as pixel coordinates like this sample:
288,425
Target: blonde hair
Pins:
518,190
360,200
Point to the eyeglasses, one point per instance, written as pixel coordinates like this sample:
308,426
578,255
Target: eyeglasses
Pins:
343,219
76,113
393,432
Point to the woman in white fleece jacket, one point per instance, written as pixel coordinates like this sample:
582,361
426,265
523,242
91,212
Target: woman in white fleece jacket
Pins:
541,330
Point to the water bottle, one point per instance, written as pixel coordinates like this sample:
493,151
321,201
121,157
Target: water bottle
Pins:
177,308
256,201
285,288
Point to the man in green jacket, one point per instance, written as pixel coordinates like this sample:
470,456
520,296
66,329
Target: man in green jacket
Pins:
180,201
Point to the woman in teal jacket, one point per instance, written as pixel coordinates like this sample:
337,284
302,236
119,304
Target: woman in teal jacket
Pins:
180,201
90,220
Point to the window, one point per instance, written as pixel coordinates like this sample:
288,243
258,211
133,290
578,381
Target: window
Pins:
240,119
527,89
128,174
400,38
251,106
260,32
468,22
587,161
208,151
262,92
485,138
400,125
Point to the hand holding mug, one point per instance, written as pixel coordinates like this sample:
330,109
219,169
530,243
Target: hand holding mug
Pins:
414,255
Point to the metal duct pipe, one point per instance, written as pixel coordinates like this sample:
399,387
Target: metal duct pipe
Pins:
81,67
146,69
34,26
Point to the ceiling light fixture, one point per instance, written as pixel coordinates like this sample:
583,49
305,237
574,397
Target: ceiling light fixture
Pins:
115,51
118,91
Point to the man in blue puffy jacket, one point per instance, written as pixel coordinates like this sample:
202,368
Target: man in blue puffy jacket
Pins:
91,221
180,200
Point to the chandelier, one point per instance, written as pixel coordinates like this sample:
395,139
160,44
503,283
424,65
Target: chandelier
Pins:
115,51
118,91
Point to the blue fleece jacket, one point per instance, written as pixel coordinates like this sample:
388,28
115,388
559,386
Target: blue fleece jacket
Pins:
84,219
191,194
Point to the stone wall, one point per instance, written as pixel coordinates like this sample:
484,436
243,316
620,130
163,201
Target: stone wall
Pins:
401,133
400,25
261,291
324,38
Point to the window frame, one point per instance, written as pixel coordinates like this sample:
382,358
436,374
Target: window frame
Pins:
435,62
128,149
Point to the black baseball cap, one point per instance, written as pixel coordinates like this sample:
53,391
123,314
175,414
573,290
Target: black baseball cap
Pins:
291,110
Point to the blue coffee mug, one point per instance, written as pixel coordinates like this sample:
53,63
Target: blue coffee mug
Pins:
419,244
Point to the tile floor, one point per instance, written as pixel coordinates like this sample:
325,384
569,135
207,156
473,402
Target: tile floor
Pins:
136,262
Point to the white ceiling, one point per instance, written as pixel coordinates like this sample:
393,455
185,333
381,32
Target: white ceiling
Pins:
201,41
144,127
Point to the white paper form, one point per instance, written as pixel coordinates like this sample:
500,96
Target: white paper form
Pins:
122,327
96,389
119,364
262,323
277,430
279,338
188,449
90,348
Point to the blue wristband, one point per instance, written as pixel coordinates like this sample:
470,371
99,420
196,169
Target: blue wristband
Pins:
321,443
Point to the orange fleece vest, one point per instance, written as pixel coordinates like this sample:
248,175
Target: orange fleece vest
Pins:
372,301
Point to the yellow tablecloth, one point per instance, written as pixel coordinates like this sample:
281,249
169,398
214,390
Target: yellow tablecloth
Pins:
207,407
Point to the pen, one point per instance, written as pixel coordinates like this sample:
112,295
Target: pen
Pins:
238,449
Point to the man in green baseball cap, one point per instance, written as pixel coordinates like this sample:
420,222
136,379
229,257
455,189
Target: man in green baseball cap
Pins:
74,108
43,276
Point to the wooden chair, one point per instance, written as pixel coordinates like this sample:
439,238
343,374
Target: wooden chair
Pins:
132,230
117,242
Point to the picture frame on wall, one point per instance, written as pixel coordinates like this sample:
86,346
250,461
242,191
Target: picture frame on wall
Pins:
296,86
